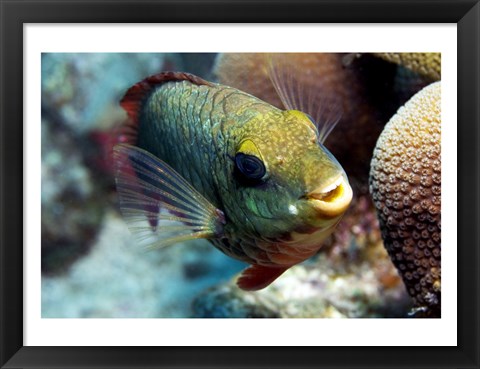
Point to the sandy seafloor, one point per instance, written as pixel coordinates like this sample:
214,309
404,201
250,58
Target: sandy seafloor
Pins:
90,266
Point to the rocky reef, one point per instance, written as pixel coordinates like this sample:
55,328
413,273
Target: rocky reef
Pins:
378,263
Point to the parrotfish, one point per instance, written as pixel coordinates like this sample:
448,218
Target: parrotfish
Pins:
204,160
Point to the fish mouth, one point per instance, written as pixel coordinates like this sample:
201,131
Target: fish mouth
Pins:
333,199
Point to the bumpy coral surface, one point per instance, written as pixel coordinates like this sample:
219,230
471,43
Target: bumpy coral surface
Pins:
405,182
427,64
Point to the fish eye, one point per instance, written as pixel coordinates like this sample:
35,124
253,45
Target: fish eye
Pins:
249,166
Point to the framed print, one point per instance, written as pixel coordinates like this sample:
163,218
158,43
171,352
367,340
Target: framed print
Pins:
266,129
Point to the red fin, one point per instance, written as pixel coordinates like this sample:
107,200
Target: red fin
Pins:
133,100
257,277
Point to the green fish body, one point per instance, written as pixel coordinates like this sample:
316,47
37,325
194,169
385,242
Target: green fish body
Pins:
209,161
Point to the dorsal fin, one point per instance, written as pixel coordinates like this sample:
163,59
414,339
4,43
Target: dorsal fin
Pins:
135,96
294,84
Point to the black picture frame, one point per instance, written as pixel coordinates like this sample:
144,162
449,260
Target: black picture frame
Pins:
14,13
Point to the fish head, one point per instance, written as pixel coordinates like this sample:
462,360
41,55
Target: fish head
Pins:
288,186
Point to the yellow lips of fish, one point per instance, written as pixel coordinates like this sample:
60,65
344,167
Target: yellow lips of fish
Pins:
332,200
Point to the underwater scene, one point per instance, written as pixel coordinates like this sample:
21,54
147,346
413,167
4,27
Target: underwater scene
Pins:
241,185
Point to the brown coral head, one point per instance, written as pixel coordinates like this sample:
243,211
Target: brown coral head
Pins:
405,183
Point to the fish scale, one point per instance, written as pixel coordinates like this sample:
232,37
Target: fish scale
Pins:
167,107
252,179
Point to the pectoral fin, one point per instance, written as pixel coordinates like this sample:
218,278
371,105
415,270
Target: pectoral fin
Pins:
256,277
158,204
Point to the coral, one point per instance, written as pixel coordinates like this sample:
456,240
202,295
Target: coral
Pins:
426,64
405,182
